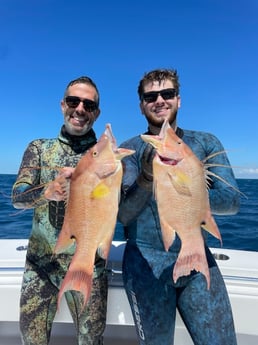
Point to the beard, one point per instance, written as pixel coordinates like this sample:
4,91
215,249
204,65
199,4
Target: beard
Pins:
158,121
76,130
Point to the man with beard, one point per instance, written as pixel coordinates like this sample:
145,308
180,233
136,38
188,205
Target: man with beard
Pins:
147,267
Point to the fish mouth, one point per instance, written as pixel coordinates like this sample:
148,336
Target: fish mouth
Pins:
168,161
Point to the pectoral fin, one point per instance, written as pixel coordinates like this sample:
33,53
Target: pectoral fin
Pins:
181,182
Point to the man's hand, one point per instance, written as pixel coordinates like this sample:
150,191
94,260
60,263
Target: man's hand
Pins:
145,178
59,188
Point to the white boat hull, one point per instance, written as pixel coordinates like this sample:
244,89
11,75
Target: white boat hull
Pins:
239,269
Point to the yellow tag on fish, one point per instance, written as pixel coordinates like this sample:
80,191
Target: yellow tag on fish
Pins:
100,191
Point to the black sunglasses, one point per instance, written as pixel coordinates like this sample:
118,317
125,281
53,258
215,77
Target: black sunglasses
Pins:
152,96
74,101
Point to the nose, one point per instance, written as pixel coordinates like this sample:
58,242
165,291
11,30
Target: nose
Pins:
80,106
159,98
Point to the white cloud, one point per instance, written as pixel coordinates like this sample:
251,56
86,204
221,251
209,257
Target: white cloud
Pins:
246,173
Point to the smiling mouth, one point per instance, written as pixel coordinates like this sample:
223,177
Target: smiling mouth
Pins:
79,120
160,110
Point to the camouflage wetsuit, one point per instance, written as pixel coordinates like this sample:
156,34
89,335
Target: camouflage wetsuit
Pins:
147,267
43,271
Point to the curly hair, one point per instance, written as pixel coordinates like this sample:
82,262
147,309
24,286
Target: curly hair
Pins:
159,75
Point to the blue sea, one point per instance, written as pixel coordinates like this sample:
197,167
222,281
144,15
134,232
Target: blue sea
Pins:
238,232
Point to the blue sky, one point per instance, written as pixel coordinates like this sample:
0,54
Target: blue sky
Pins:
212,43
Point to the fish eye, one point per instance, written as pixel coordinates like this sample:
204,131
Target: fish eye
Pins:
94,153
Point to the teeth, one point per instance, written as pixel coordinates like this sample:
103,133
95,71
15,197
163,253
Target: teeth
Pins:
80,119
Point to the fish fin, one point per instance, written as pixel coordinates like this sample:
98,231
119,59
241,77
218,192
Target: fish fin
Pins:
65,240
154,140
103,250
78,281
210,226
210,173
121,152
100,191
191,257
105,245
168,234
181,182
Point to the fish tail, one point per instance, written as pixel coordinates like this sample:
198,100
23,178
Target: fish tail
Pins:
79,281
187,262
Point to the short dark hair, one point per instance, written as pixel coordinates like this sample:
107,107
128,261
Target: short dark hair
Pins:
159,75
83,80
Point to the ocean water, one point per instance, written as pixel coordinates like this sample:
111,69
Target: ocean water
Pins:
239,231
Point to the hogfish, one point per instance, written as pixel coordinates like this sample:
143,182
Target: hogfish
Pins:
91,211
181,192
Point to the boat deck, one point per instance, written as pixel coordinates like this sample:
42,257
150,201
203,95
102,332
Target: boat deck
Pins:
66,336
239,269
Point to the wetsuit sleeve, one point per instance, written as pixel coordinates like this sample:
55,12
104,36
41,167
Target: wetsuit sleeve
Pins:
133,201
27,191
223,192
134,194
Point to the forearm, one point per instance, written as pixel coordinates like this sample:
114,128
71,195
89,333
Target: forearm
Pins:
137,188
226,202
25,196
133,201
224,194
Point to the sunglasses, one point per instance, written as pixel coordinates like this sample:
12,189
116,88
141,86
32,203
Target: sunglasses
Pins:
152,96
74,101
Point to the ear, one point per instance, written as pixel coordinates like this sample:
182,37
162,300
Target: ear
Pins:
142,108
97,112
178,101
62,104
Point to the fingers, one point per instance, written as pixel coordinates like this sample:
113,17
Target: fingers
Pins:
147,159
149,153
54,191
57,189
66,172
